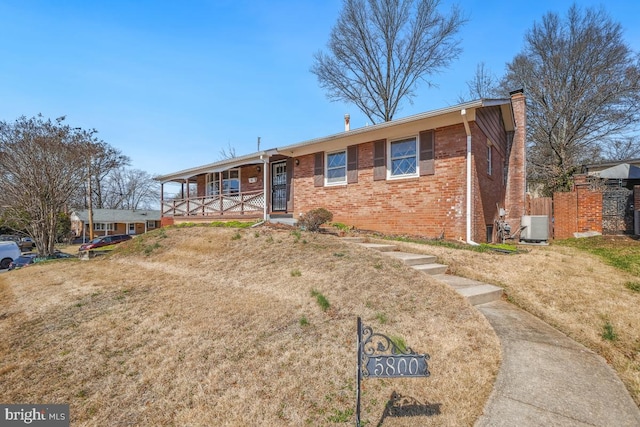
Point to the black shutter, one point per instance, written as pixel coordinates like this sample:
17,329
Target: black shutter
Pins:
352,164
318,170
427,152
380,160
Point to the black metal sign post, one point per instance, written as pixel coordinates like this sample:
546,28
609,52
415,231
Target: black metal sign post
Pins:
380,357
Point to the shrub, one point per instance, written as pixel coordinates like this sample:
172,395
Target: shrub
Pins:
313,219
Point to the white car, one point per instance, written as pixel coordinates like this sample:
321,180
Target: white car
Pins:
8,252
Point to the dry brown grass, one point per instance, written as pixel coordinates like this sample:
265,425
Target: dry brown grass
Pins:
203,326
571,290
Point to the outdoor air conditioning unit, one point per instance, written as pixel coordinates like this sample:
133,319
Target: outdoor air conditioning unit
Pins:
535,228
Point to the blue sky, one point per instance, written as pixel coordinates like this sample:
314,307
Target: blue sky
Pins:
171,83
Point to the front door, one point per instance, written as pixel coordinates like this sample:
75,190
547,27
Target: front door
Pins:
279,187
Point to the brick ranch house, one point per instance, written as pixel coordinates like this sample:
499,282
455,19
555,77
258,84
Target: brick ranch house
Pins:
114,221
443,173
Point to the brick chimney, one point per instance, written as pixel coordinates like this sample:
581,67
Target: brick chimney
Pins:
515,197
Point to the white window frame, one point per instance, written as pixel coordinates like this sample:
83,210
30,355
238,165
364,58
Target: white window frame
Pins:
390,174
100,226
151,224
212,179
343,181
489,159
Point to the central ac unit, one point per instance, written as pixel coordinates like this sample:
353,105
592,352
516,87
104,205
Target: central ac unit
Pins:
535,228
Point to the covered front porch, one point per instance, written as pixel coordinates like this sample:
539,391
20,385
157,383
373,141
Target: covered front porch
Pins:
248,187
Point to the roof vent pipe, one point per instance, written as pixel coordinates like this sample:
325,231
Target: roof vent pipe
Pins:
346,123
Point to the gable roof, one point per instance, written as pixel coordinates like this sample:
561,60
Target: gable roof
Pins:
621,171
117,215
432,119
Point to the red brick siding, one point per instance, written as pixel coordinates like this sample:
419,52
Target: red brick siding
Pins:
427,205
515,201
636,198
488,190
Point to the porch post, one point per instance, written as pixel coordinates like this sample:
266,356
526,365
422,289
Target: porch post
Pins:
188,197
220,191
265,165
161,200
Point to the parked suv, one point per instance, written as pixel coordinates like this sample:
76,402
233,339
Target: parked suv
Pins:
9,251
105,241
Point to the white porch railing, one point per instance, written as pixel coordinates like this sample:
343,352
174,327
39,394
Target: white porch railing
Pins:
224,204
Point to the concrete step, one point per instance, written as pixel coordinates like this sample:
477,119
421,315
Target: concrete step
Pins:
412,259
432,268
380,247
475,292
353,239
287,221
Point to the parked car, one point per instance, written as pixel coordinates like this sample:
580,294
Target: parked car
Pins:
105,241
26,260
22,261
9,251
24,243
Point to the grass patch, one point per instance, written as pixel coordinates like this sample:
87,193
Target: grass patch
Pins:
150,327
340,226
623,257
322,301
633,286
296,273
608,333
236,236
399,342
382,318
341,416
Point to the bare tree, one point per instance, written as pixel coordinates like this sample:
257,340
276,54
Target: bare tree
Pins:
131,189
105,160
583,91
42,163
380,49
483,85
228,153
622,149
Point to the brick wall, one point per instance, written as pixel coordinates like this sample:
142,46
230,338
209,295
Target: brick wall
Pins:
429,206
488,189
515,198
577,211
565,213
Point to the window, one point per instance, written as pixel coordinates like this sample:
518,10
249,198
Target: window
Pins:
151,224
230,182
336,168
403,158
102,226
489,159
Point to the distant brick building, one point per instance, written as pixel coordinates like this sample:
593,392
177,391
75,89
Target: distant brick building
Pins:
444,173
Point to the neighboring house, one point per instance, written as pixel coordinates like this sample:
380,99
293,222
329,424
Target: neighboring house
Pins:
596,168
444,173
114,221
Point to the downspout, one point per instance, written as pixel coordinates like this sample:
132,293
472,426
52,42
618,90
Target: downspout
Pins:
463,112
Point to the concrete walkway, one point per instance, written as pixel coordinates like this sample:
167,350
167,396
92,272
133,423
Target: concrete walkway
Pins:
546,378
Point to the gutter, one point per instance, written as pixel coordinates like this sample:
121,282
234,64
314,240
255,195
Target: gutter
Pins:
463,112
